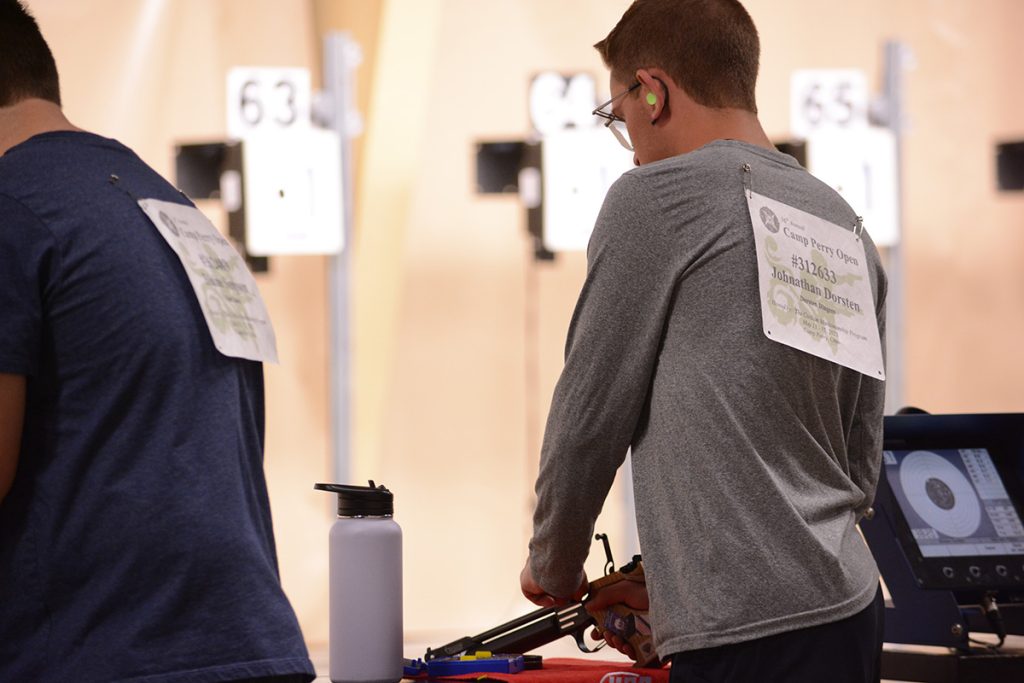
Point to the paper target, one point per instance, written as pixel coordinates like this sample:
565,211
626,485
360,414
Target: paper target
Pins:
940,494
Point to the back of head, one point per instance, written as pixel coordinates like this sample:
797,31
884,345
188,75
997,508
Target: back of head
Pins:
27,68
710,48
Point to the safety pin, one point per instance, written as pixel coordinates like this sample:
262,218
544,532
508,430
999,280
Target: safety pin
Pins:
115,181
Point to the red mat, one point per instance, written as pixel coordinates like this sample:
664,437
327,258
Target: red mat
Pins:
558,670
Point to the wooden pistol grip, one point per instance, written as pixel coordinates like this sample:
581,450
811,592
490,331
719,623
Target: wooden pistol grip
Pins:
636,575
631,625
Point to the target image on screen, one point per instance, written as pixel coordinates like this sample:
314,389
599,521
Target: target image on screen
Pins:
955,502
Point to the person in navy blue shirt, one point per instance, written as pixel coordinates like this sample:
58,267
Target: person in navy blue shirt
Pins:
135,531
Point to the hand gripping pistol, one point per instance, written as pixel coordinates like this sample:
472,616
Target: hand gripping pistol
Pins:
548,624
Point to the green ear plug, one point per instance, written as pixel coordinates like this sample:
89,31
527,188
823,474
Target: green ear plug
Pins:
651,99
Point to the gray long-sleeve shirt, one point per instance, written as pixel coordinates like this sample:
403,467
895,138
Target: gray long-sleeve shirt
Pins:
751,460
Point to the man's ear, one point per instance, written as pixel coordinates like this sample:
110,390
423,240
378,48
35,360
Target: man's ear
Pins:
653,92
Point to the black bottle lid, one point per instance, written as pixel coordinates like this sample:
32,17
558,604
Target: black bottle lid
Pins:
361,501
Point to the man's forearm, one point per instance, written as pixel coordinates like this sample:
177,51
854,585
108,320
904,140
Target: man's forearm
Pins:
12,418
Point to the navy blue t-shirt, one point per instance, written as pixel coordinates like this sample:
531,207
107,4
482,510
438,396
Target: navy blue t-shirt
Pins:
136,542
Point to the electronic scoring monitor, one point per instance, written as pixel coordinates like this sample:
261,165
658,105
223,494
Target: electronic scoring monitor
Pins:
959,513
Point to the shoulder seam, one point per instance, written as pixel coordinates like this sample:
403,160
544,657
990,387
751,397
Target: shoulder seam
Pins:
58,249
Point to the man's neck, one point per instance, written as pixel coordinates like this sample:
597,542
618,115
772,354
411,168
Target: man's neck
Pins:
20,121
709,125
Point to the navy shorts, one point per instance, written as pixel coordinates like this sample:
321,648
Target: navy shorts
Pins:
846,651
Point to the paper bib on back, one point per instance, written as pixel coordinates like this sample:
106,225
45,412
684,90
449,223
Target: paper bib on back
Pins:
224,287
814,286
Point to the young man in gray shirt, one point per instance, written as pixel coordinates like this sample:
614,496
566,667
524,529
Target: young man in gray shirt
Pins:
752,460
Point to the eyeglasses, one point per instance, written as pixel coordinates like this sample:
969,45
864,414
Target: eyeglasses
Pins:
616,124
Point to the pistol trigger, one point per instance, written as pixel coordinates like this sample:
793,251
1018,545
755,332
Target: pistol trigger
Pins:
581,643
609,565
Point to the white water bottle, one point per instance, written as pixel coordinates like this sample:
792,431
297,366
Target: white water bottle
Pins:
365,586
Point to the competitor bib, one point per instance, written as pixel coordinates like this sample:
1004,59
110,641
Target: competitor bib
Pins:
814,286
226,291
